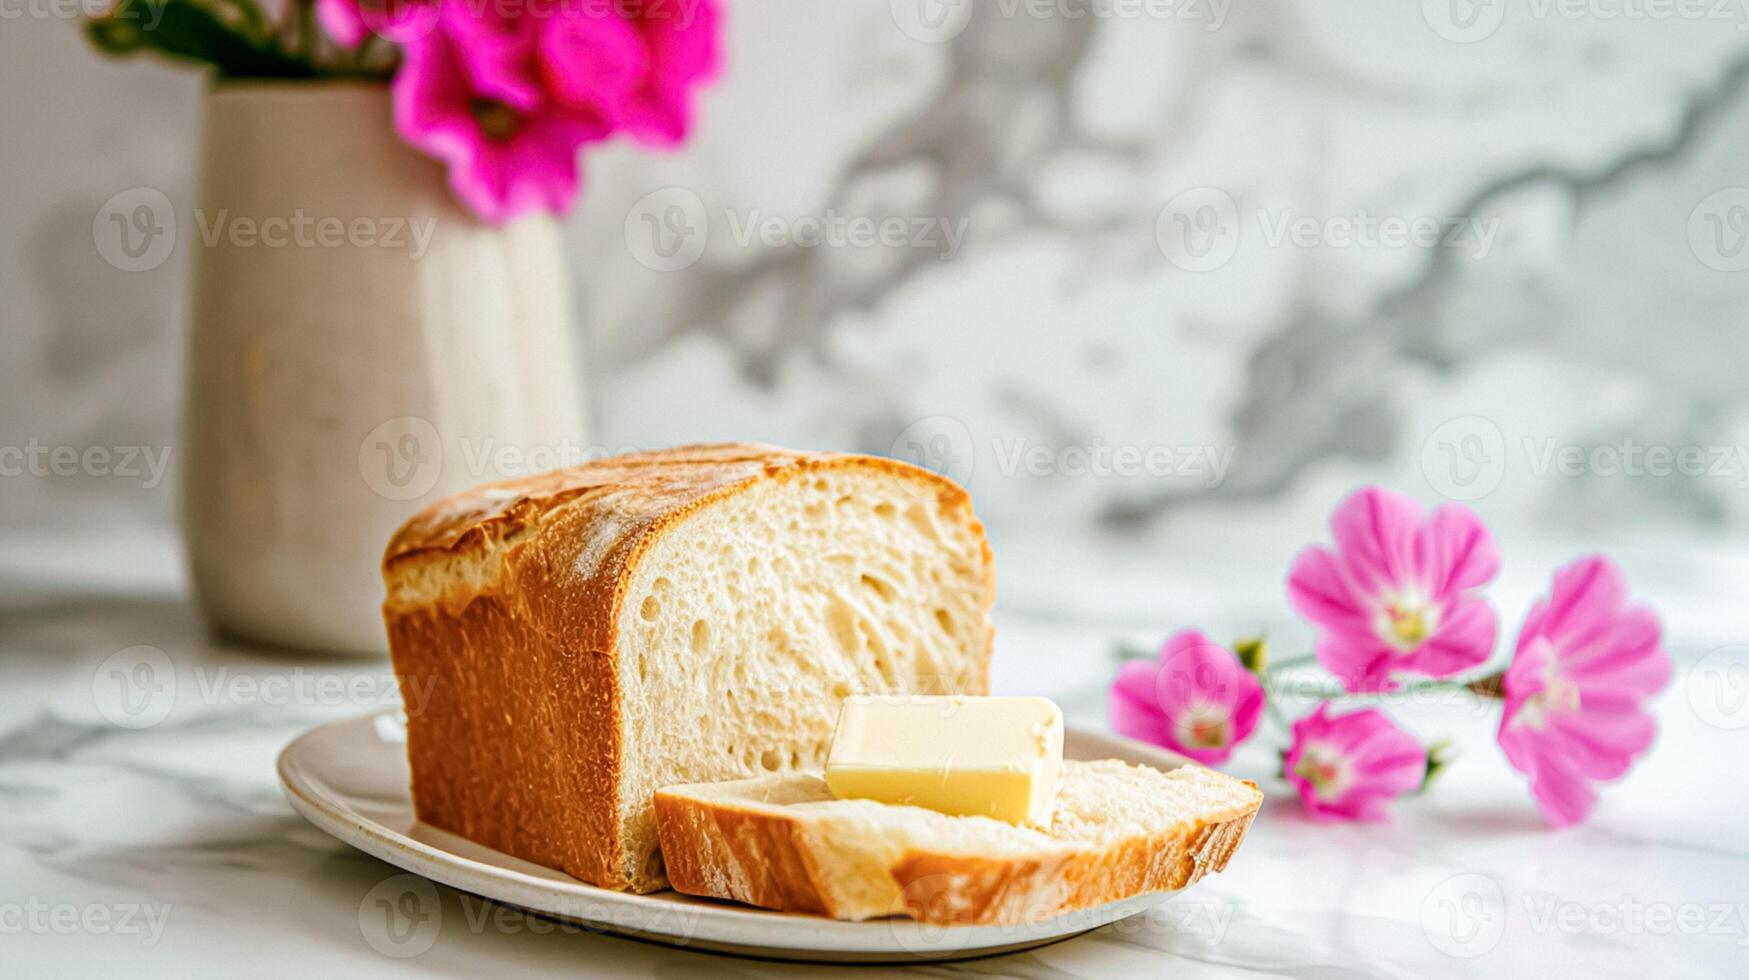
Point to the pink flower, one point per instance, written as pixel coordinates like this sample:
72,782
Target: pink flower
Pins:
1396,593
634,62
1585,664
401,21
1349,767
1196,699
474,104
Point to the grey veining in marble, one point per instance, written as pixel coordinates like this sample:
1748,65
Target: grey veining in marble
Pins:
1591,143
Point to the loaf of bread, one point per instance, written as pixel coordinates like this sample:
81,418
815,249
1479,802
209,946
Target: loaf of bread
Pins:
784,842
570,642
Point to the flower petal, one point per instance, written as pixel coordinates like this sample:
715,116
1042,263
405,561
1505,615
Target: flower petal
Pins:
1380,762
1132,706
1627,656
1575,690
1601,744
684,53
1464,639
342,21
594,60
1375,532
1563,796
1584,600
1361,663
1320,591
1455,552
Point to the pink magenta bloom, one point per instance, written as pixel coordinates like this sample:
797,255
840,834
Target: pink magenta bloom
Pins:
401,21
1196,699
635,62
1350,767
1586,663
1396,593
510,147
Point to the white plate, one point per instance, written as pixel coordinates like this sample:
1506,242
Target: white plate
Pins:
350,779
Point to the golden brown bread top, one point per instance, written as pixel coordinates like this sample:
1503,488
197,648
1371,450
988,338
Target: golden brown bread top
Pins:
492,511
564,540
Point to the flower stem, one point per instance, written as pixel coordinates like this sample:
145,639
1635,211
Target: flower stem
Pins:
1302,660
361,59
1492,686
1276,715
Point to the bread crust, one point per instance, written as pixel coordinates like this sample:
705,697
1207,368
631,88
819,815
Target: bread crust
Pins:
501,609
724,849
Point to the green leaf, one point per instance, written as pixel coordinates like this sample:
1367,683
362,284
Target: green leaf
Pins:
249,15
1253,653
189,31
1440,756
114,35
1124,652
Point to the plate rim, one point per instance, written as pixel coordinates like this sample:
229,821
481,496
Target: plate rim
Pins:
721,927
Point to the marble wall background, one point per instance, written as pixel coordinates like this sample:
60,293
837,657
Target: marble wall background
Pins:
1150,226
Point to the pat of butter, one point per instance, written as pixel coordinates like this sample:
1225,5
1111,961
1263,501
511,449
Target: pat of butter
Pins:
967,756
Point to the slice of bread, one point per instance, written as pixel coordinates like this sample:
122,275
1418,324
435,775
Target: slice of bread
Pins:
569,642
783,842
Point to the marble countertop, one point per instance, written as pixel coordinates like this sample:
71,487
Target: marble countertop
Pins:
168,850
